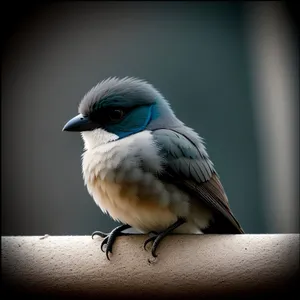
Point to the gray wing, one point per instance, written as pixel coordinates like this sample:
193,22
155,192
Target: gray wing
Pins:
189,167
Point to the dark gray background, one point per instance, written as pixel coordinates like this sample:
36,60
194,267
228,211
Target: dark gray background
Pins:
195,53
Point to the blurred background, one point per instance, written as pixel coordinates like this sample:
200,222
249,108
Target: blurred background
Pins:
229,70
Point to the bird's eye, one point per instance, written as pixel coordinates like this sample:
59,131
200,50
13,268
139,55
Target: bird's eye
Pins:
116,114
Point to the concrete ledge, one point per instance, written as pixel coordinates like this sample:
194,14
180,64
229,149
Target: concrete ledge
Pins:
187,265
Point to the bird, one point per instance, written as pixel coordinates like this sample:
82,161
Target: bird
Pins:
145,168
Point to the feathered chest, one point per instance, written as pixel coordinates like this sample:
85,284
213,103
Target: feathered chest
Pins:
122,160
120,176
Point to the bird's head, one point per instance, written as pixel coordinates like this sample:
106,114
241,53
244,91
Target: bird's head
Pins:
117,108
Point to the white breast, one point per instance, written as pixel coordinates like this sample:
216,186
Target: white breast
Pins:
113,177
119,186
102,158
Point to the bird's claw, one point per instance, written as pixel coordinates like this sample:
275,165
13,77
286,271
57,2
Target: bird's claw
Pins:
158,237
151,239
155,239
108,243
109,238
104,242
99,233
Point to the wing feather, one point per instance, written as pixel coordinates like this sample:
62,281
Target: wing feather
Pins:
191,170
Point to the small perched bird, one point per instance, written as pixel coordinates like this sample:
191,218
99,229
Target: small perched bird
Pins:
146,168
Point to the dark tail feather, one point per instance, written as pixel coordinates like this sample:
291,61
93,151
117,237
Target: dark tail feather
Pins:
220,225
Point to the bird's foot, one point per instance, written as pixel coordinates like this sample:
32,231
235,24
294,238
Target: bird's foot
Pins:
158,237
109,238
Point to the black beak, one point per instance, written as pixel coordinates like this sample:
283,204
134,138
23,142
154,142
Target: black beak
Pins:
80,123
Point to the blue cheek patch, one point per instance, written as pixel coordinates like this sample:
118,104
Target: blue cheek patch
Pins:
135,122
154,113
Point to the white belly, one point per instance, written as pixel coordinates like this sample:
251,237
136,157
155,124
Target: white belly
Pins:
123,204
132,195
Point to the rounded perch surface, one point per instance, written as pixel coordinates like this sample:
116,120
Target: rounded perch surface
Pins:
198,264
